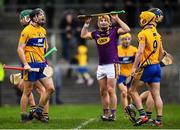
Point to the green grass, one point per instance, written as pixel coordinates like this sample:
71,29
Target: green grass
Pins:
72,116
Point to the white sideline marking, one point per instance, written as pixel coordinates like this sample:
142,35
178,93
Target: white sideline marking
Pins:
85,123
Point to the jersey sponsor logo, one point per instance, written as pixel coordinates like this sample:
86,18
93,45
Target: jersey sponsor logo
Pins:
40,40
103,40
126,60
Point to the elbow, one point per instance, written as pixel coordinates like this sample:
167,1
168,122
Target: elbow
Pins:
139,54
82,36
18,49
127,30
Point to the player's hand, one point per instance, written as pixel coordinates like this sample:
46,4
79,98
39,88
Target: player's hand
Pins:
114,16
27,67
88,20
133,72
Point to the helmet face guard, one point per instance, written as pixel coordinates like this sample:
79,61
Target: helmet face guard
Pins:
159,14
146,18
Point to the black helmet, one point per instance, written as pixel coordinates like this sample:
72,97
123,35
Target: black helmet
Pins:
159,14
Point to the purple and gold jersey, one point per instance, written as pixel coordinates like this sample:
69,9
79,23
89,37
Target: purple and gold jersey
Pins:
152,40
35,40
126,59
107,45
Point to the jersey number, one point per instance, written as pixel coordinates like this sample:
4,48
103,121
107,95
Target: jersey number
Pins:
155,44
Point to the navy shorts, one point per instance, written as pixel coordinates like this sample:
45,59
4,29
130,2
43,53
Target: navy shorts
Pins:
151,73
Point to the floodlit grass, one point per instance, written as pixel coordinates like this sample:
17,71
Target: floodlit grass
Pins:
82,116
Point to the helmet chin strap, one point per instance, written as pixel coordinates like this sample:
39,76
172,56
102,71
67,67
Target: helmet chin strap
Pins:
27,19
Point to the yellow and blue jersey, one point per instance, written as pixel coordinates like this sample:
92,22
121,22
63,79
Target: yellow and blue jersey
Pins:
126,59
82,55
152,40
35,40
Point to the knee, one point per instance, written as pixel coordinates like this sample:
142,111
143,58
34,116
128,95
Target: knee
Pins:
103,92
50,90
124,94
131,92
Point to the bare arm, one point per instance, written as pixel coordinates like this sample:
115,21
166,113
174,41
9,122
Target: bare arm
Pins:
85,34
138,57
47,46
124,27
20,51
161,53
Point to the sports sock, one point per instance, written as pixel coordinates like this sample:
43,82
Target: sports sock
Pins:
132,106
32,108
45,114
142,112
39,109
106,111
148,114
113,112
159,118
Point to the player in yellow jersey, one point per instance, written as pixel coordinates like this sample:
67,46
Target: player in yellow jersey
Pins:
31,49
25,20
82,69
150,50
126,54
146,95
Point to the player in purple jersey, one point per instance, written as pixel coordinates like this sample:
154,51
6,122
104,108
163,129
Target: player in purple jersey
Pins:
106,38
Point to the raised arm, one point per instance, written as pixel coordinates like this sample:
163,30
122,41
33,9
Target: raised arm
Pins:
85,34
124,27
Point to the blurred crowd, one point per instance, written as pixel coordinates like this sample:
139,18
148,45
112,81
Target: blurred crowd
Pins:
132,8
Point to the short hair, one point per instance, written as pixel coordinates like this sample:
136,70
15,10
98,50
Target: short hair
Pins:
107,17
125,35
35,12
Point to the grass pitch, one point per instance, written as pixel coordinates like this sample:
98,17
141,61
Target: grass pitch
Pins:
82,117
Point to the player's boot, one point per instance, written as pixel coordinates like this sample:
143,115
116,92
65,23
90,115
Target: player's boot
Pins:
158,124
112,117
46,117
131,113
39,116
141,120
31,114
104,118
151,122
24,118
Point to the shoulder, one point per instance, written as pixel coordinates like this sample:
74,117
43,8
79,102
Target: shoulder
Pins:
43,29
133,48
142,32
119,46
141,35
26,31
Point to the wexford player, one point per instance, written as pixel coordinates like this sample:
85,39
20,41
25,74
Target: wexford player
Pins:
106,38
